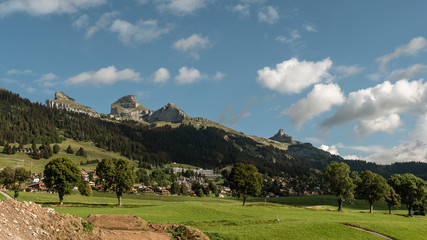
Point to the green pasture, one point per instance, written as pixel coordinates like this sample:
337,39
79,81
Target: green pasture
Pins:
304,217
93,152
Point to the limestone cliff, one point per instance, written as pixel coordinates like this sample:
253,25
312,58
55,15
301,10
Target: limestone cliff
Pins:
129,107
282,137
64,102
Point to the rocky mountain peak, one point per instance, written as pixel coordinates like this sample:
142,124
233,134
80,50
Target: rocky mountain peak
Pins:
126,105
62,96
64,102
282,137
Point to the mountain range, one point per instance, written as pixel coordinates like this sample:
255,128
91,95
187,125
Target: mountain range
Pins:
168,135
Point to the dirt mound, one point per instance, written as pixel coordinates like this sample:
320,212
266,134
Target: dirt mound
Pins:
27,220
136,228
118,222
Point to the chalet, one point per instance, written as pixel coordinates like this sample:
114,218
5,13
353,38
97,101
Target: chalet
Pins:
165,192
35,187
147,190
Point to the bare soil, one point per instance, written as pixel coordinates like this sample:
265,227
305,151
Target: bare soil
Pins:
27,220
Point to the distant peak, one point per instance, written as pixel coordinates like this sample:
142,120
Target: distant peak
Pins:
281,136
62,96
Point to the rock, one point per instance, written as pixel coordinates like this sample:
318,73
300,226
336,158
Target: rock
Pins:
64,102
282,137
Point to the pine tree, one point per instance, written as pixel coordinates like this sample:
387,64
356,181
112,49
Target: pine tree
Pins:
69,150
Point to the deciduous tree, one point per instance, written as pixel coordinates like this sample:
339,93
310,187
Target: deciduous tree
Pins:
61,174
116,174
245,181
372,187
411,189
392,198
337,176
12,178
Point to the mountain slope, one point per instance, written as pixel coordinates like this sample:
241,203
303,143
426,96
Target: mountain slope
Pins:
194,141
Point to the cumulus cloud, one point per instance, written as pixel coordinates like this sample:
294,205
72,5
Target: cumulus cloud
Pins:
181,7
188,76
294,35
45,7
293,76
268,14
243,8
218,76
410,72
408,152
103,22
161,76
382,124
321,99
47,80
331,149
347,71
192,45
412,48
382,100
108,75
310,27
141,32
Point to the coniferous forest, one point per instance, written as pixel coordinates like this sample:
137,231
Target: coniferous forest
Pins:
23,122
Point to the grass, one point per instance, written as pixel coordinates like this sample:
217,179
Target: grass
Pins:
37,166
305,217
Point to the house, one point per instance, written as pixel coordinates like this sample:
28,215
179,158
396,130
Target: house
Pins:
147,190
35,187
165,192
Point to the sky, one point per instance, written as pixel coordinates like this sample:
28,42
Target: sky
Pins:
346,76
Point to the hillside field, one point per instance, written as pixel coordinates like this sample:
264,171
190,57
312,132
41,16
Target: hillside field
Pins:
37,166
304,217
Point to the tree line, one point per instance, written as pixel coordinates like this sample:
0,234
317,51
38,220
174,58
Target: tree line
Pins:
398,188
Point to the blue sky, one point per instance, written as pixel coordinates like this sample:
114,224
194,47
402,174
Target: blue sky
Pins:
346,76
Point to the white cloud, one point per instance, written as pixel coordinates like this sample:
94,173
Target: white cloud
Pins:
310,27
411,49
268,14
44,7
161,76
141,32
408,152
319,100
242,9
218,76
192,44
294,35
108,75
382,100
15,71
347,71
31,90
81,22
103,22
229,117
188,76
181,7
420,130
292,76
47,80
410,72
331,149
382,124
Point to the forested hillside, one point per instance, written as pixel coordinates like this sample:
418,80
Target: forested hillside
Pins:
24,122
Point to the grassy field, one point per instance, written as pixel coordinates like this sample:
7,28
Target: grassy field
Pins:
305,217
93,152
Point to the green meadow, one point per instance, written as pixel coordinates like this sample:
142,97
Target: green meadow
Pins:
37,166
304,217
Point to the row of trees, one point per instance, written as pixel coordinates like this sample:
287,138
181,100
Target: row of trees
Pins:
399,188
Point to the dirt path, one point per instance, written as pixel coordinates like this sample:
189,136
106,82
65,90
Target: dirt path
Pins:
6,195
372,232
